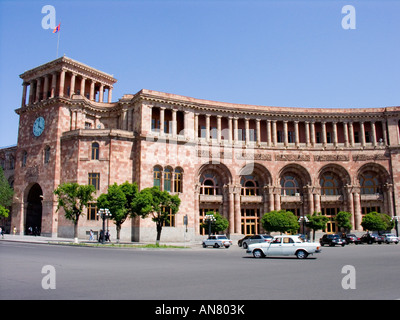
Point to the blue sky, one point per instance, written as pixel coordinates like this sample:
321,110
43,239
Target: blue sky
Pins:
272,53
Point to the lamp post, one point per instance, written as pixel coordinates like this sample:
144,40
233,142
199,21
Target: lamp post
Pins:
305,220
210,219
104,214
396,224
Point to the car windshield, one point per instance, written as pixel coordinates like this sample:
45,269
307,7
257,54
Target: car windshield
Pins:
222,237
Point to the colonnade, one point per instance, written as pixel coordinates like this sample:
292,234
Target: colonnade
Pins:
63,84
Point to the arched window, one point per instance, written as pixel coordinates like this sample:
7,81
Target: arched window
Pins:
209,184
167,179
178,180
369,184
157,177
47,154
95,151
329,185
290,186
250,186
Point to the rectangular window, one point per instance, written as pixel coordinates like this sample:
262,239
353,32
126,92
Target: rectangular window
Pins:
92,212
356,137
170,218
94,180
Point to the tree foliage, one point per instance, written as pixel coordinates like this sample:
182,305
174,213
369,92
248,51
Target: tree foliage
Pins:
280,221
118,200
73,198
6,192
375,221
220,224
343,220
152,201
317,221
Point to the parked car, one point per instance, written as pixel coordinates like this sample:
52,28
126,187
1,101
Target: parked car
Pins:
256,239
241,240
217,241
390,238
352,238
371,238
332,240
284,246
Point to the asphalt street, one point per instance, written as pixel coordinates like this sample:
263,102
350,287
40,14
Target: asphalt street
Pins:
195,273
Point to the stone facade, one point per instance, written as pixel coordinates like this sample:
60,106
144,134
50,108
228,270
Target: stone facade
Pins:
239,160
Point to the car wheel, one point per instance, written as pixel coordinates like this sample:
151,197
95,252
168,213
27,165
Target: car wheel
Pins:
204,245
227,246
301,254
245,245
258,254
216,245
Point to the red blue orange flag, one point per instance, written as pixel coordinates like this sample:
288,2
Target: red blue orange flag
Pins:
56,29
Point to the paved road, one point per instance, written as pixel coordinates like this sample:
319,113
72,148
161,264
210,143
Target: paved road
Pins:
197,273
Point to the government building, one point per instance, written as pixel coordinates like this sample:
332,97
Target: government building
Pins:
239,160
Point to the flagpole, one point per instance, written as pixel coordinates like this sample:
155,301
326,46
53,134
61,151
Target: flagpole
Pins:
58,40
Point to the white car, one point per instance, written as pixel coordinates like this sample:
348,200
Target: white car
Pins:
284,246
391,238
217,241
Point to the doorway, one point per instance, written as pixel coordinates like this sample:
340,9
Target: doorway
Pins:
33,221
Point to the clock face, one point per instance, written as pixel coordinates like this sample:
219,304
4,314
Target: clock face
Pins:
38,126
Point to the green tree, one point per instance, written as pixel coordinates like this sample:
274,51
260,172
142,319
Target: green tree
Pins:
154,202
343,220
375,221
4,212
220,224
6,192
73,198
280,221
118,200
317,221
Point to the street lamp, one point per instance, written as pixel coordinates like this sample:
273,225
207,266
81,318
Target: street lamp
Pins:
396,224
305,220
104,214
210,219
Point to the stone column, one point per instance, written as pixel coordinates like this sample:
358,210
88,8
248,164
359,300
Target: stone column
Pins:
162,111
247,131
323,124
351,134
307,128
62,83
258,131
230,130
24,89
346,134
274,133
46,87
72,90
285,133
38,89
208,127
335,136
373,133
296,133
174,125
219,128
110,89
101,93
235,130
317,202
231,210
196,126
313,133
362,133
53,85
357,209
384,132
91,93
82,90
31,93
269,140
238,213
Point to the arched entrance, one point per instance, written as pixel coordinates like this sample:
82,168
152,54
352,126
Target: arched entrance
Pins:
33,221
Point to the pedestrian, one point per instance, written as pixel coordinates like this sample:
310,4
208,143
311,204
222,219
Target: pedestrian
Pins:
108,236
91,235
2,232
14,230
101,236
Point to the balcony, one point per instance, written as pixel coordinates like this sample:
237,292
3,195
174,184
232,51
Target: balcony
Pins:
296,198
211,198
251,199
331,198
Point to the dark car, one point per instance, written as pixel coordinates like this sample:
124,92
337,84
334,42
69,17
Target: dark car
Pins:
241,240
332,240
371,238
352,238
256,239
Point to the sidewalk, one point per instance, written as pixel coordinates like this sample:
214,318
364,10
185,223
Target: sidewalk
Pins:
50,240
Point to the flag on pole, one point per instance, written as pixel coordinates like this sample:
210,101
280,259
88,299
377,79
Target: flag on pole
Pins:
56,29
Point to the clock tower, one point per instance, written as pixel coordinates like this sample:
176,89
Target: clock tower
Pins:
53,97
